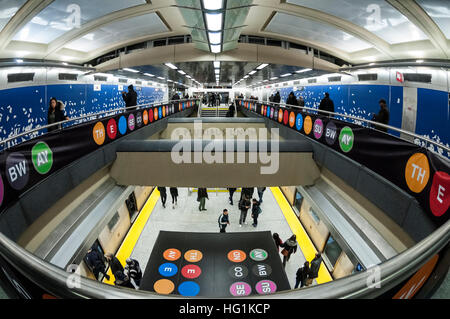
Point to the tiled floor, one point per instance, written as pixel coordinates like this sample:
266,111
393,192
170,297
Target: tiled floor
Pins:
187,218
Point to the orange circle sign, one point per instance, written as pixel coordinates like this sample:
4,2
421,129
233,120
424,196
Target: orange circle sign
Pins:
280,115
237,256
99,133
172,254
417,172
308,125
164,287
193,256
292,118
145,117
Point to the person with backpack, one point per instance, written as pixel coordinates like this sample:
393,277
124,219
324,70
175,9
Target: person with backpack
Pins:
163,193
290,247
133,271
95,261
223,221
244,205
256,211
314,269
302,275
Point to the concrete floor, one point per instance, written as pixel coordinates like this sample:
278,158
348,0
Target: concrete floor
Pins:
187,218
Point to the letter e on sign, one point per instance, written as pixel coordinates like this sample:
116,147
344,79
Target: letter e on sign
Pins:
440,194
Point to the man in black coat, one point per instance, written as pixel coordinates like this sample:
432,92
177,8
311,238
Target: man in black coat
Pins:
130,98
95,261
223,221
277,98
163,193
326,104
382,116
202,195
302,275
314,269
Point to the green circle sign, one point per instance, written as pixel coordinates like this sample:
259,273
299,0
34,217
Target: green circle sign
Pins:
346,139
42,157
258,254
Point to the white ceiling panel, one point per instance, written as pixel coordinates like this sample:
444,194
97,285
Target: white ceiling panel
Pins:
310,30
8,9
439,11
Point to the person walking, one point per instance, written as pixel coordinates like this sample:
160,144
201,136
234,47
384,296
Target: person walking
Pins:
130,98
256,211
133,271
115,265
261,191
326,104
231,191
382,116
163,193
202,195
224,221
302,275
244,205
56,114
95,261
277,240
314,269
290,247
174,194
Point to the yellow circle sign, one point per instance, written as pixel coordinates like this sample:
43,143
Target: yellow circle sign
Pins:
99,133
193,256
308,125
417,172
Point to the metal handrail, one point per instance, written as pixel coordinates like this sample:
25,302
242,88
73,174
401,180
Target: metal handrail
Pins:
289,106
392,272
96,115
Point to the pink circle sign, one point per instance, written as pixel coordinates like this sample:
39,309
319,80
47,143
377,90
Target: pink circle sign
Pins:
240,289
318,129
266,287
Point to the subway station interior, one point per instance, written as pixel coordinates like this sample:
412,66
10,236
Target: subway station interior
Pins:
274,149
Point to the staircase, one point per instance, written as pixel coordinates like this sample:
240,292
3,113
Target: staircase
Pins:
214,111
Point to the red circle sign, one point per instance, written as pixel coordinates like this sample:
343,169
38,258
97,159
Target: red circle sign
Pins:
191,271
111,129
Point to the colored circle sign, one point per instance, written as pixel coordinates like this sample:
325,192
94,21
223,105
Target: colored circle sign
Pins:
123,125
258,254
286,117
292,119
145,117
262,270
331,133
164,287
42,158
193,256
238,271
280,116
237,256
2,190
160,115
150,115
155,114
17,171
299,122
346,139
308,125
111,129
189,289
139,119
239,289
439,194
99,133
163,112
266,287
168,270
269,111
172,254
131,122
318,129
191,271
417,172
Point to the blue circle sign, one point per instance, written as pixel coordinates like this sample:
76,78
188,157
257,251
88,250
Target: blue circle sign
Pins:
168,270
299,122
189,289
123,125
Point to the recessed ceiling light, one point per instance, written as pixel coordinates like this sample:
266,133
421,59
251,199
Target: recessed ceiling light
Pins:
419,61
19,61
65,63
245,77
285,75
266,81
189,77
148,74
304,70
217,71
161,78
214,21
215,48
262,66
181,72
215,37
131,70
253,72
216,65
213,4
274,78
170,65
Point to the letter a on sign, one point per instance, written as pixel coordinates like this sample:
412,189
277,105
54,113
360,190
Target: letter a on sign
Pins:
440,194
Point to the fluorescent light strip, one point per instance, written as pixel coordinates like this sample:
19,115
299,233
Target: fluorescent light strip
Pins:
131,70
217,71
161,78
262,66
302,71
148,74
214,21
253,72
274,78
285,75
213,4
215,37
215,48
170,65
181,72
189,77
216,65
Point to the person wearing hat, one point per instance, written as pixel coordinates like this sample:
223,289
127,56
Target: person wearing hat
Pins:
130,98
382,116
133,271
327,105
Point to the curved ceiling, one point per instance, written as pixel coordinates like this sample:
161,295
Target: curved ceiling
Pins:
356,31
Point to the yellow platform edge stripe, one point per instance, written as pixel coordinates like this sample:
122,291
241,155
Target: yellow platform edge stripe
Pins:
127,246
304,242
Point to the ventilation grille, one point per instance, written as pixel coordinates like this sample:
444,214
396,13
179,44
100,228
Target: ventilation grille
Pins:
100,78
20,77
67,77
417,77
138,82
123,81
296,82
312,81
335,79
368,77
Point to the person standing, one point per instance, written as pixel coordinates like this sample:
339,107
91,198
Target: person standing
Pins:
326,104
224,221
292,100
244,205
56,114
95,261
231,191
301,101
174,194
247,192
382,116
277,240
163,193
302,275
256,211
314,269
133,271
277,98
114,264
130,98
122,280
290,247
261,191
202,195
